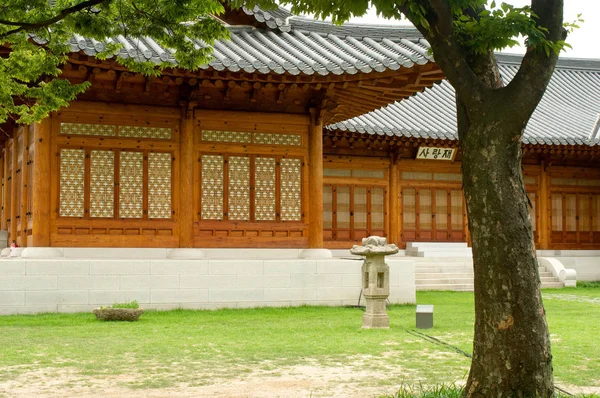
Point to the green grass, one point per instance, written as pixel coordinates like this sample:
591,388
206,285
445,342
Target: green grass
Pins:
173,347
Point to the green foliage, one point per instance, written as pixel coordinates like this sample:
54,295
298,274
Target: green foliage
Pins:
437,391
35,36
592,285
132,304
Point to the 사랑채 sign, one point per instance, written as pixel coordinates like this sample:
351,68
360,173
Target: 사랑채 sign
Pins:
433,153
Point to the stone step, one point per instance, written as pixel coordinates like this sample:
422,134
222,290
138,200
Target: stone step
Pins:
452,269
456,287
435,275
410,245
465,253
552,285
447,279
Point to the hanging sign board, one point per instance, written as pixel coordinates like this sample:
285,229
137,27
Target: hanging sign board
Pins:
434,153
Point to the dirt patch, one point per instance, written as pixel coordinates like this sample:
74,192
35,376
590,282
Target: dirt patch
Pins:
312,380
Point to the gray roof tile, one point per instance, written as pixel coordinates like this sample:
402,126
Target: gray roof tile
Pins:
293,44
565,116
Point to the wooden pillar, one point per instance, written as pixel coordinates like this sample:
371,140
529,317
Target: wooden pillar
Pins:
14,200
394,202
24,182
3,169
315,181
186,178
40,208
545,211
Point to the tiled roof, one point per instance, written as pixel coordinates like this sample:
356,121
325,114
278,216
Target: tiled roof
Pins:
565,116
294,45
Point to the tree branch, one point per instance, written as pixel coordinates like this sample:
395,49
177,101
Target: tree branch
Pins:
530,82
449,55
29,26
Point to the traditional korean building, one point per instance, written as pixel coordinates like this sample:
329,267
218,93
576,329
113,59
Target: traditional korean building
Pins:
276,143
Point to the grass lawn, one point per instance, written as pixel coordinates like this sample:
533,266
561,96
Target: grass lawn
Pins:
196,348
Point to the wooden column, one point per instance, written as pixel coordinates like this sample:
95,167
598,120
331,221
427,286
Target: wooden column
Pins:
315,181
545,211
394,202
3,170
24,183
41,185
14,200
186,179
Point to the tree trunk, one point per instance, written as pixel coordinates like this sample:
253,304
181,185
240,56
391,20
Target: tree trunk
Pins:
511,348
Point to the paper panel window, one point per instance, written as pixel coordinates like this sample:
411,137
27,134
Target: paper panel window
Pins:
239,188
265,206
160,133
72,168
212,187
102,183
377,208
159,185
131,185
291,189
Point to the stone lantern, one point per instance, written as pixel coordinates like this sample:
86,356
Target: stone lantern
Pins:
375,279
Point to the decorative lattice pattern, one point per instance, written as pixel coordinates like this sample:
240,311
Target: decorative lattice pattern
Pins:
239,188
161,133
102,184
159,185
265,206
278,139
227,136
291,190
131,185
105,130
212,187
72,168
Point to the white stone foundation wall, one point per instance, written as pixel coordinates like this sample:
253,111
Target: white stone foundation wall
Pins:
585,262
68,284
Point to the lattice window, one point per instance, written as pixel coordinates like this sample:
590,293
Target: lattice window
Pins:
161,133
456,210
159,185
409,209
278,139
291,189
360,208
327,207
410,175
342,210
265,180
238,198
227,136
377,208
557,212
131,185
425,209
102,183
212,187
105,130
441,209
532,210
72,168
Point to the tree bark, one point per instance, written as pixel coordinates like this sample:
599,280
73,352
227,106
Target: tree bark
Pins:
511,348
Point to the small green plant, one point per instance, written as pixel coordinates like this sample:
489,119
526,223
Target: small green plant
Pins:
595,284
421,391
131,304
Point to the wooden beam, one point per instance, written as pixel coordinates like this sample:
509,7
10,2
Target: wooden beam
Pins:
14,200
186,180
41,185
394,202
315,178
23,218
545,211
3,173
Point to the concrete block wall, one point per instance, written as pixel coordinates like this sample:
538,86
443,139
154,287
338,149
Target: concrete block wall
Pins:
78,284
585,262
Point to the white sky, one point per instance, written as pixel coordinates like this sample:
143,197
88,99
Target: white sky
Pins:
585,41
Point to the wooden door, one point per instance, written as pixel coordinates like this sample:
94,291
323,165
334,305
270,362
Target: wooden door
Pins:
432,215
575,218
